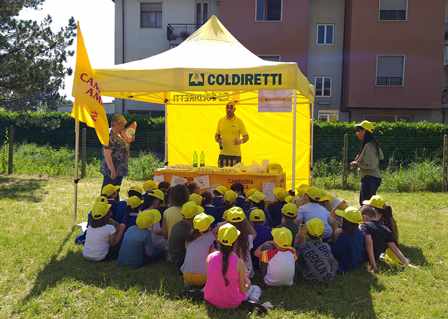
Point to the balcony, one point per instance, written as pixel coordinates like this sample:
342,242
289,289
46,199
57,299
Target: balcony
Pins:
178,32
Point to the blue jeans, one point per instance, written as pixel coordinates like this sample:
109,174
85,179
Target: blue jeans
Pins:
114,181
369,186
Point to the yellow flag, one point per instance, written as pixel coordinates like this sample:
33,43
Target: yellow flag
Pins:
88,106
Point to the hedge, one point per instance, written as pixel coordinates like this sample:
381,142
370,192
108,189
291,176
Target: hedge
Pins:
402,142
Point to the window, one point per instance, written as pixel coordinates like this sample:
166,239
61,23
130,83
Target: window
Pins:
269,10
393,10
328,115
151,15
325,33
201,13
323,86
275,58
390,71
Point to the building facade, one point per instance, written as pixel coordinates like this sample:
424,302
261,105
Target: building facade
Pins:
373,59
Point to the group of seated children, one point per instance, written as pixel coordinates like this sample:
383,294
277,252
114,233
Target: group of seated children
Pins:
218,240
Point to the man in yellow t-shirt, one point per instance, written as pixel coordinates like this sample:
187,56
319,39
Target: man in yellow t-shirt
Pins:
230,134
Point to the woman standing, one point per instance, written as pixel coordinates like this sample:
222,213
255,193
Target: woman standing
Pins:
116,155
368,160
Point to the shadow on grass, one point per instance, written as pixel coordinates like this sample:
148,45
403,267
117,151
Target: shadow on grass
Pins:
25,189
348,296
415,254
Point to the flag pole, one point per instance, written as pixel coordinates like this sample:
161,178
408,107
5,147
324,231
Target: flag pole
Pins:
76,174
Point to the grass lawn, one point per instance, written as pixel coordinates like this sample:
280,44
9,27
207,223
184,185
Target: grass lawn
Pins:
42,272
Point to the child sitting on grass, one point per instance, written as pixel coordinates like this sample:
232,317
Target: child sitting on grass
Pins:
275,209
132,210
229,199
177,197
289,215
199,245
210,209
137,247
118,208
385,212
244,244
228,285
279,258
349,247
256,200
101,237
263,232
316,262
378,238
241,200
197,198
181,232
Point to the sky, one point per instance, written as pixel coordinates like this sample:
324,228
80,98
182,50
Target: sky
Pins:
96,18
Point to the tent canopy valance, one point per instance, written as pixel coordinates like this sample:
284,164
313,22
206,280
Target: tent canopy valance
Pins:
197,78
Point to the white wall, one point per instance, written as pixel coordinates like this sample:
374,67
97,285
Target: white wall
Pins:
327,60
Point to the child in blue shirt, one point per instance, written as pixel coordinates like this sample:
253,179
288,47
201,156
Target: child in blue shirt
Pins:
275,209
241,200
132,210
210,209
137,247
349,246
263,232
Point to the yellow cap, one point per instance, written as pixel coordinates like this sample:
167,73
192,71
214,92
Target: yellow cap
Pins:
157,193
250,191
102,199
301,190
234,215
134,201
109,189
290,210
227,234
352,214
202,222
136,188
289,199
280,193
257,197
317,194
257,215
149,185
282,237
230,196
196,198
99,209
315,227
376,201
368,126
190,209
221,189
147,218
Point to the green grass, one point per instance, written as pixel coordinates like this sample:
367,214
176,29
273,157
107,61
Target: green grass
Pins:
42,272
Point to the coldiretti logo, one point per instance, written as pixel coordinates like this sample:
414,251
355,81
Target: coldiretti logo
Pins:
202,79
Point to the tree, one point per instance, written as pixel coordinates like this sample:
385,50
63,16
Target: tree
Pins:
32,58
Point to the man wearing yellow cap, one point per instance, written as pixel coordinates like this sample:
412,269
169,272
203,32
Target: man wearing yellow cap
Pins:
230,134
368,160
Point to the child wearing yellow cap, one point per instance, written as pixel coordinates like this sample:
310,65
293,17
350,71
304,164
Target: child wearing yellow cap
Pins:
241,200
279,258
218,195
137,247
133,205
199,245
316,261
274,209
101,237
378,239
314,200
257,200
385,211
257,218
210,209
228,285
289,215
181,232
237,217
349,247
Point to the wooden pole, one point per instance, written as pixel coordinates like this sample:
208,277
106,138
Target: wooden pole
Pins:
83,152
11,150
345,168
76,174
445,163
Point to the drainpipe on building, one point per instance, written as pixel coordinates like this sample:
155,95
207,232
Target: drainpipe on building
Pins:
123,39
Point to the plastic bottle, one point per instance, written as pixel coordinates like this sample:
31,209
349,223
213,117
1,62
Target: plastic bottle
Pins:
202,159
195,159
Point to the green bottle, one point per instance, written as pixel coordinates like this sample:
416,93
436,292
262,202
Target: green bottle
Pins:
195,159
202,159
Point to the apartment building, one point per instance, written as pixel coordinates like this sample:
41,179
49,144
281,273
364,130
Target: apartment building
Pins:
374,59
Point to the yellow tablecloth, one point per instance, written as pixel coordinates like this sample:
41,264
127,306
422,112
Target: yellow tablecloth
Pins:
208,180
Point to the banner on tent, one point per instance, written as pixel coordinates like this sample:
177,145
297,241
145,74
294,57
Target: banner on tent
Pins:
227,80
204,98
275,100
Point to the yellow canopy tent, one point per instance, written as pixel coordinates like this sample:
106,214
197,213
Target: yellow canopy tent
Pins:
197,78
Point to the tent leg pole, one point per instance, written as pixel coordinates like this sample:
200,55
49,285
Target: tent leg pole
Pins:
312,142
294,140
165,160
76,173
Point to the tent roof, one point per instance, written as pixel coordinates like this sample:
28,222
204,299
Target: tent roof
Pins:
211,49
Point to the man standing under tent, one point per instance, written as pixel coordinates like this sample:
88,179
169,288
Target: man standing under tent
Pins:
230,134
